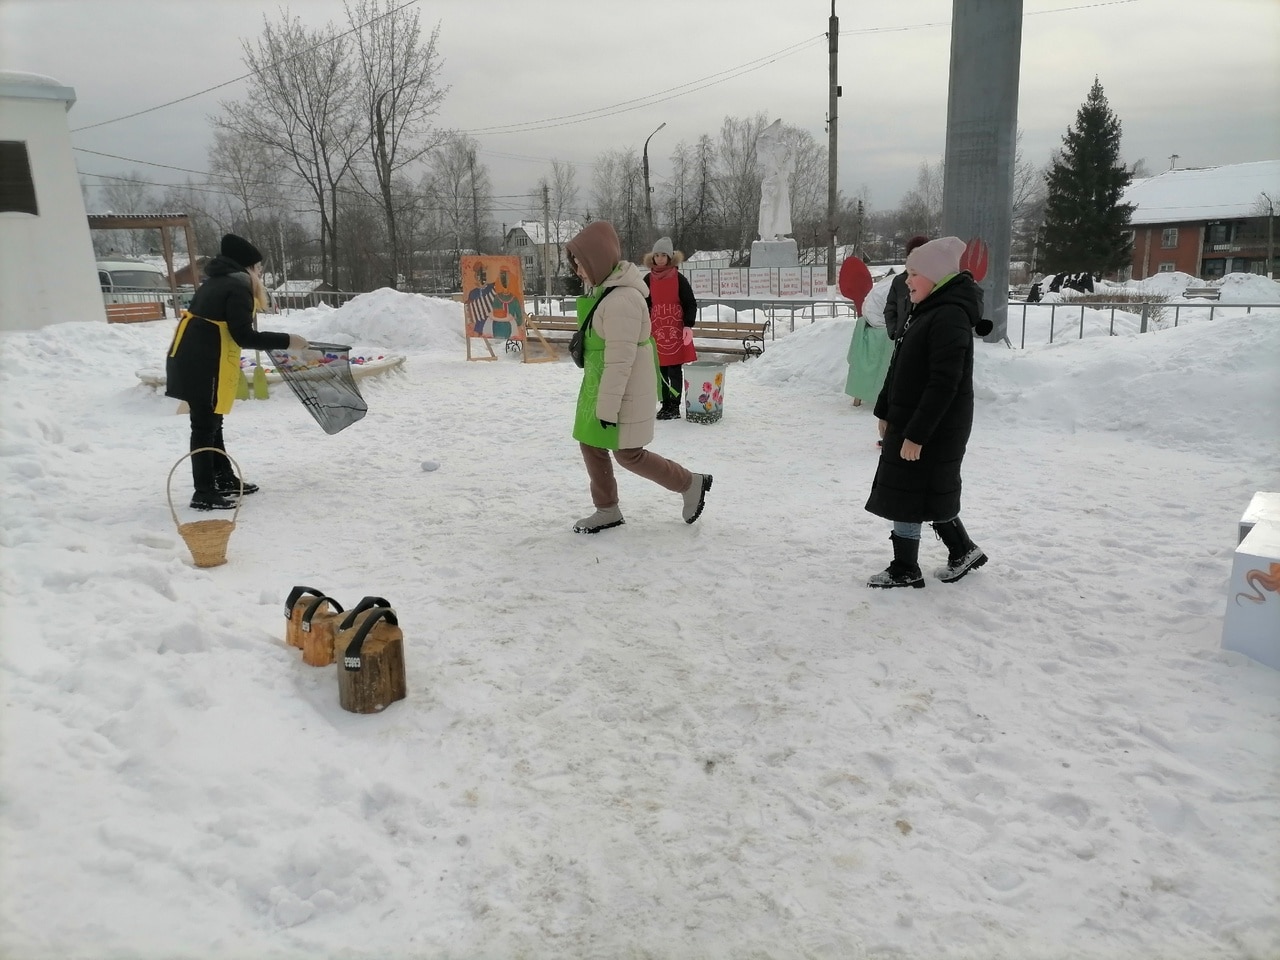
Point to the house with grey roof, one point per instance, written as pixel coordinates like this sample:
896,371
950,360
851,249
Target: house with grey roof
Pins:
540,247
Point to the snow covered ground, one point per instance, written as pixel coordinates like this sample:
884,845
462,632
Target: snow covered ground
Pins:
661,741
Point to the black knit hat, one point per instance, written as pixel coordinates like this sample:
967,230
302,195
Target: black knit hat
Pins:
240,250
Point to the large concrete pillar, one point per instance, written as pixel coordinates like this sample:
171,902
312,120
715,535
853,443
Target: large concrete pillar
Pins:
982,127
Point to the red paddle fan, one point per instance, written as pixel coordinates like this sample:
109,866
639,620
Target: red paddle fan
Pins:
855,281
976,258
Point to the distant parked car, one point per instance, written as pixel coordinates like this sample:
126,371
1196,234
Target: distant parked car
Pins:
132,281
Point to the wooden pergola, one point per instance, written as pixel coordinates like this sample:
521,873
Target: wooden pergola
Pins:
164,222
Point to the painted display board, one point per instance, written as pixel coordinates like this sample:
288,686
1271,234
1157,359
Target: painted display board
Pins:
492,301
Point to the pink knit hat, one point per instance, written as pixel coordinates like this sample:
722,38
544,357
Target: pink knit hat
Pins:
937,258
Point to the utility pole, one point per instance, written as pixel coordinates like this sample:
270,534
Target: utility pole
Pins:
648,205
284,264
1271,237
982,122
546,242
475,212
833,44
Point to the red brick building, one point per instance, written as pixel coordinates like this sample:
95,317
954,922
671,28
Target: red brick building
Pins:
1206,221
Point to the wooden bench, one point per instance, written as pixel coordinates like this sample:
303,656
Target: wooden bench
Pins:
536,330
1204,293
135,312
560,328
749,337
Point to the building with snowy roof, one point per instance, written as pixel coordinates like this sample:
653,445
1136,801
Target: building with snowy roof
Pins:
528,240
47,267
1205,221
299,294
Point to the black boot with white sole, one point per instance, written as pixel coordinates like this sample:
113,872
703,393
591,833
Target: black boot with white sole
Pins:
963,554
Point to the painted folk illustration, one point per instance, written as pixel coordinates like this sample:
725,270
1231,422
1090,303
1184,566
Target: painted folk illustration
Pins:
493,297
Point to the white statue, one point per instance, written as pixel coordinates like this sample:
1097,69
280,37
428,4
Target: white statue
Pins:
775,196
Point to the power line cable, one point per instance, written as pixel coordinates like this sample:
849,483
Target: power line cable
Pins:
863,31
251,73
648,100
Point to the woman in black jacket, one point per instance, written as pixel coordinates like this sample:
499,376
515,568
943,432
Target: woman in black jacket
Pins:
203,365
926,412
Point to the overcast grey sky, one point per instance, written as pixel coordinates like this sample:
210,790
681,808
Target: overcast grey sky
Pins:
1199,78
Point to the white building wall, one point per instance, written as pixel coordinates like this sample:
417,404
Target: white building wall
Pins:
47,271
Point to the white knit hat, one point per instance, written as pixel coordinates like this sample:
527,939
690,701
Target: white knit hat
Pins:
937,258
663,245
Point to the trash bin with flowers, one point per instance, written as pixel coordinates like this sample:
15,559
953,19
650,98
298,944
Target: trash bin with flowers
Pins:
704,391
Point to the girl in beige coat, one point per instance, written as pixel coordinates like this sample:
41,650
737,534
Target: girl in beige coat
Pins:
619,392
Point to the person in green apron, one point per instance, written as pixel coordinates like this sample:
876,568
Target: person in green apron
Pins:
619,394
870,347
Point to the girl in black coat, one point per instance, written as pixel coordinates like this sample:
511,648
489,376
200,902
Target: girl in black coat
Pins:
925,411
203,364
898,304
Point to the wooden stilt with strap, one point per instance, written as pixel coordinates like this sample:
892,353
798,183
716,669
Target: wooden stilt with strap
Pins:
318,629
369,648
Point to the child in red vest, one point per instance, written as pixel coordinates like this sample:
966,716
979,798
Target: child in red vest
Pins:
672,312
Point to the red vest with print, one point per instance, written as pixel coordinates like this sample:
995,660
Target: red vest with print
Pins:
667,318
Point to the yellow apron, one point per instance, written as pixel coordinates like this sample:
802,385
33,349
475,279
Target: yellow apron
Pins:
228,360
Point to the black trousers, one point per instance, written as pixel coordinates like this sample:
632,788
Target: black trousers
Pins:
206,431
673,379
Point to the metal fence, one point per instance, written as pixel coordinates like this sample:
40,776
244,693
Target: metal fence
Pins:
1064,316
1149,313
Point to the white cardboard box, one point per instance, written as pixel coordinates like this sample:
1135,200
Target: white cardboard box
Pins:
1252,622
1263,506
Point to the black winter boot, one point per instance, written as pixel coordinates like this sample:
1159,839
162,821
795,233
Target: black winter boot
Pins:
670,410
904,571
963,554
229,485
211,500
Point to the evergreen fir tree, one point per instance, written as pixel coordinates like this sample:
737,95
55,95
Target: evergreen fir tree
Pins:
1085,224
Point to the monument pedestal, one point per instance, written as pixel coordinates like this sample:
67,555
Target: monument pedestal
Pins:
775,253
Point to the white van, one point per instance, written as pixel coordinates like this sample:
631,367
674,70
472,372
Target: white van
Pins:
132,281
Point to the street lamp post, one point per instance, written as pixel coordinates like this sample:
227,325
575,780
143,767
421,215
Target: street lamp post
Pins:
648,204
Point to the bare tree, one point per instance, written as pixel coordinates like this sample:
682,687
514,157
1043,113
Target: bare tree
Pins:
398,77
561,193
921,208
303,105
564,191
200,205
459,189
242,167
363,240
808,188
617,195
852,223
737,180
124,195
1028,199
1028,183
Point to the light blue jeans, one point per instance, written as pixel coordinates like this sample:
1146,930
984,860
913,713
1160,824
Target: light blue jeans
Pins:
911,531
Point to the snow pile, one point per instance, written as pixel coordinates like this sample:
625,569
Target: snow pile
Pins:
404,322
1248,288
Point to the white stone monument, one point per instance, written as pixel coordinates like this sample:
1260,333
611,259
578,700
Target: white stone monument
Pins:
774,248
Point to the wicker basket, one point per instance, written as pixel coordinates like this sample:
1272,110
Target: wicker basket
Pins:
206,539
